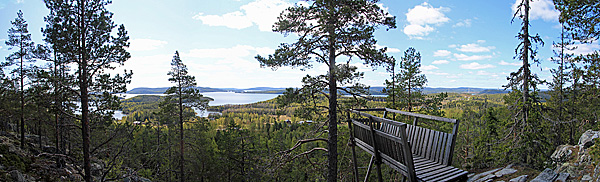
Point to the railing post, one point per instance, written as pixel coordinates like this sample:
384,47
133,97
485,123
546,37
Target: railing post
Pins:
415,121
408,160
454,135
353,143
376,151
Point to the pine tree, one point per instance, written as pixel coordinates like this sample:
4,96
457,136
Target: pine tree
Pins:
20,38
59,78
407,86
183,95
409,82
329,29
84,36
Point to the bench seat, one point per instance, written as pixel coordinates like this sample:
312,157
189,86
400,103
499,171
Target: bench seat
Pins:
431,171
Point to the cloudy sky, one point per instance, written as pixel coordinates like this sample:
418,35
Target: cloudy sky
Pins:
463,43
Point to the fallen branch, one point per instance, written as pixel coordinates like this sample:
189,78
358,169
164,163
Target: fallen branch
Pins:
55,155
308,152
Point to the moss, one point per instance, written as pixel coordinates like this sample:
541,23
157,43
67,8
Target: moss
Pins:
10,159
594,151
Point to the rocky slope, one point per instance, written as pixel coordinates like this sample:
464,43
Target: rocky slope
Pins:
570,163
40,163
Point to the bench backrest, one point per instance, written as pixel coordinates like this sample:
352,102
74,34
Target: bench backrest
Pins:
426,143
392,149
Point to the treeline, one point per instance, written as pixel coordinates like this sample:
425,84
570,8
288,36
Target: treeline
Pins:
239,145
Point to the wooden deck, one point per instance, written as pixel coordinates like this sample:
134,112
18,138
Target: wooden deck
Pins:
418,153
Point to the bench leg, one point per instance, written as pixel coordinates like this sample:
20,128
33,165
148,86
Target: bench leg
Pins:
369,168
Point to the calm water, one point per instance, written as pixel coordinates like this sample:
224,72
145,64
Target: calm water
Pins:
220,98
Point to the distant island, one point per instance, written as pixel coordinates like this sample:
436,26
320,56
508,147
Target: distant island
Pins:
272,90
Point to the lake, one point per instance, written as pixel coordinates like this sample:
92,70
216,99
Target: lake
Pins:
220,98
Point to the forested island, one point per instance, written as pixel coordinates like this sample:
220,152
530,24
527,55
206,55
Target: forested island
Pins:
56,117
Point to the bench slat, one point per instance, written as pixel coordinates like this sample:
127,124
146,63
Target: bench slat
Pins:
434,143
462,176
442,173
427,144
421,141
429,176
447,154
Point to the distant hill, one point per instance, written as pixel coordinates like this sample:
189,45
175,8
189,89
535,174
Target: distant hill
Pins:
274,90
161,90
494,91
144,90
429,90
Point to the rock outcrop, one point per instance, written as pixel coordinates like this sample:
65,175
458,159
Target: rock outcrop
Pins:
570,163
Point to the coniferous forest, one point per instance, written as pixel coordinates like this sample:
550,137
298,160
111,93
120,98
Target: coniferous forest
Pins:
58,98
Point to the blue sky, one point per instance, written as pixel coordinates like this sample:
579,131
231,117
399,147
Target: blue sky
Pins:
463,43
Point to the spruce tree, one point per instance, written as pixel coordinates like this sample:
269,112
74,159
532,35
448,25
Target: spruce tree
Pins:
559,93
529,142
329,29
580,19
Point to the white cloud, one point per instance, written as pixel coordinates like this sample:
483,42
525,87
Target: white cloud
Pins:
236,20
441,53
429,67
540,9
474,47
463,23
149,71
422,17
20,1
417,31
476,66
435,73
262,13
236,67
464,57
440,62
145,44
483,73
583,49
504,63
237,51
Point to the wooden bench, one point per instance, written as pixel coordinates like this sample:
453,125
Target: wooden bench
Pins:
418,153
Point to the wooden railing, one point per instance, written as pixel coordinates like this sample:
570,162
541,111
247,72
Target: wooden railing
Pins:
418,153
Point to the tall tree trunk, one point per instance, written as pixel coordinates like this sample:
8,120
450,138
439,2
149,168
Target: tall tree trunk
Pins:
181,165
525,57
394,88
409,96
57,107
332,140
159,160
83,87
21,94
170,161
